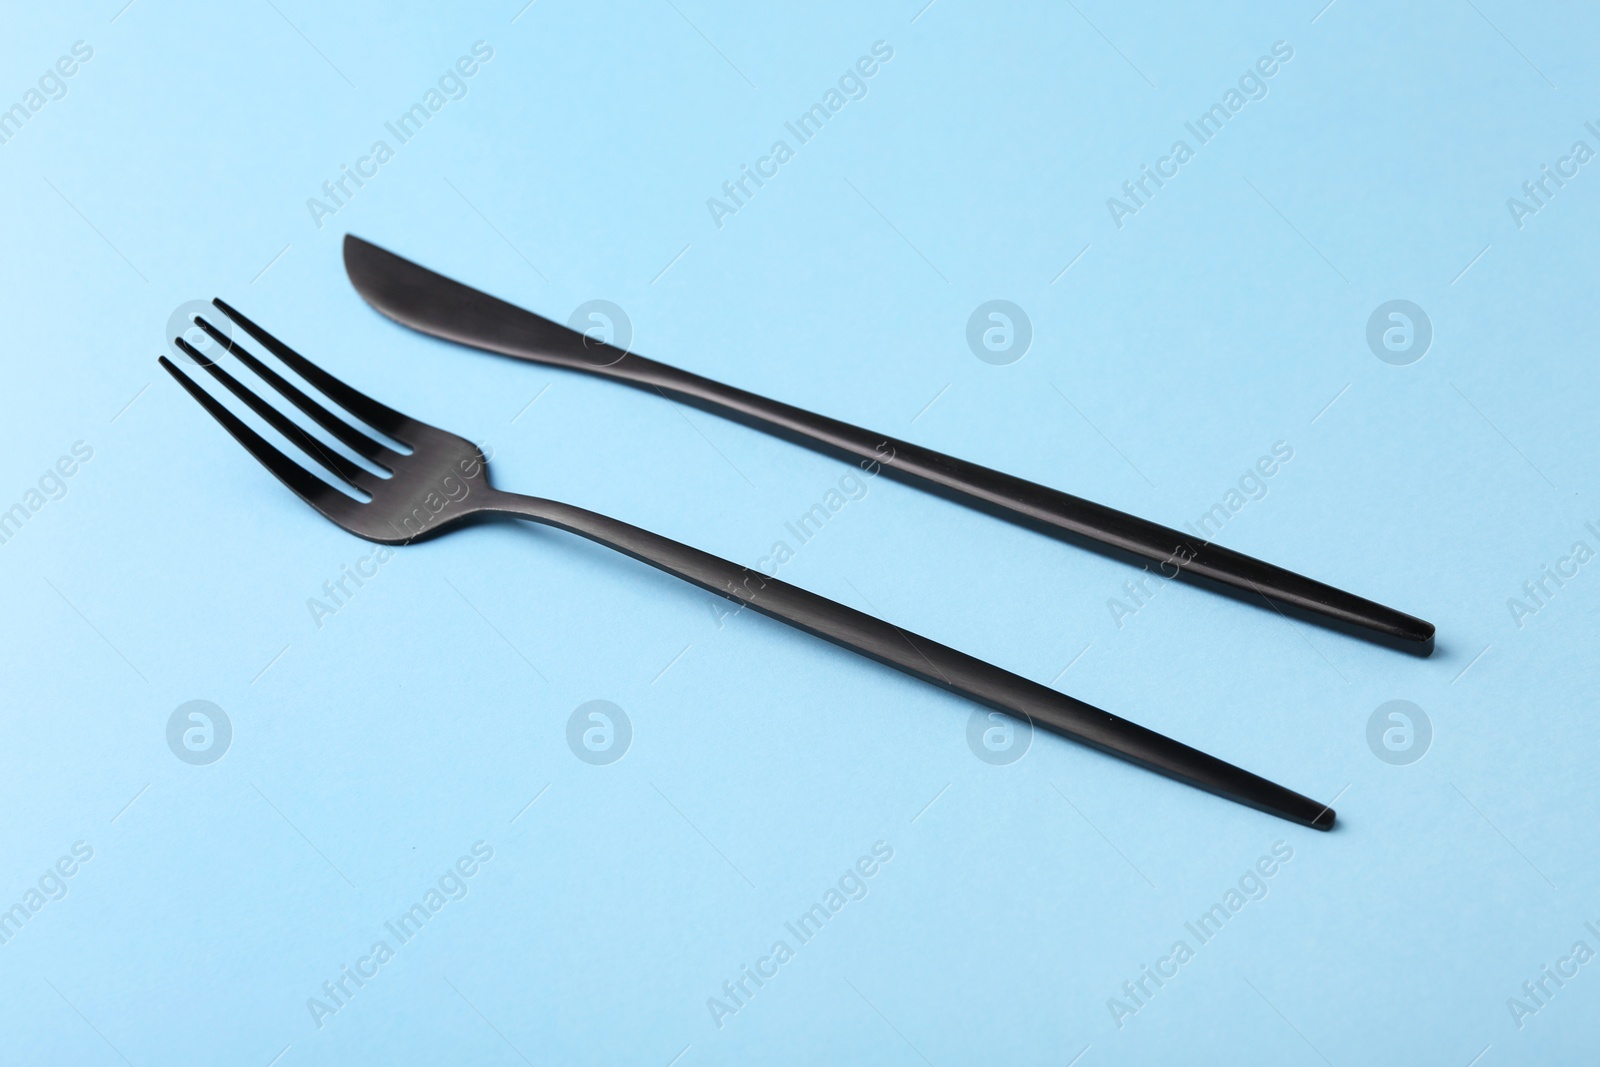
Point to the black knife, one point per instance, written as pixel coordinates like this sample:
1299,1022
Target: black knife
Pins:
431,303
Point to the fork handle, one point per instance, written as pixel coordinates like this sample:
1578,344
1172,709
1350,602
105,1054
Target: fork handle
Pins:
926,659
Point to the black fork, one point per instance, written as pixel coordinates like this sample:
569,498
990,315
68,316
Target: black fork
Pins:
442,480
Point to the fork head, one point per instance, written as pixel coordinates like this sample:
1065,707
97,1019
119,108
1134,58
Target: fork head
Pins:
434,480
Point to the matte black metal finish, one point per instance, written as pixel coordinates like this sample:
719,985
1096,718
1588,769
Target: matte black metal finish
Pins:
433,304
443,482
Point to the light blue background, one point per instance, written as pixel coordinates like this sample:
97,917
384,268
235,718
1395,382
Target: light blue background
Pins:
370,753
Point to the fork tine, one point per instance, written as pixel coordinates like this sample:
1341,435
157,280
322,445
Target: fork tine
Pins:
313,490
377,415
329,421
350,473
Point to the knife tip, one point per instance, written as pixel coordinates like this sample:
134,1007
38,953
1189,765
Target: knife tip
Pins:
363,262
355,246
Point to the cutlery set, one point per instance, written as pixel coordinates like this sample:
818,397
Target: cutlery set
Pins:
435,481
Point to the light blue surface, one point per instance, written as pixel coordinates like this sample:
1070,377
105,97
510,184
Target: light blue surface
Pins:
1227,315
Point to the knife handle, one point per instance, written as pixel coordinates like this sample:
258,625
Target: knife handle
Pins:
923,658
1070,518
